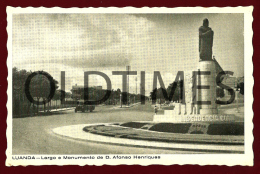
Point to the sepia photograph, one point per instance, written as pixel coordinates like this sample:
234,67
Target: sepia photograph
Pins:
130,85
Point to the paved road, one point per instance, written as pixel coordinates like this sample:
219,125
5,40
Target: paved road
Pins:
32,135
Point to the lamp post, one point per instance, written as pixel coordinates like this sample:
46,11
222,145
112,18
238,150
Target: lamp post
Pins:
136,85
237,91
121,100
128,69
135,88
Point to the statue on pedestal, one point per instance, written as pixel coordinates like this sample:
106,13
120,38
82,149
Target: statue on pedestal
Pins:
205,41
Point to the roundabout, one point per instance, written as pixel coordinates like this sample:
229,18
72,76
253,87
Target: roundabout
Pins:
195,137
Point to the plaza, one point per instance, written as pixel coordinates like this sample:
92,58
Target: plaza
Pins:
34,135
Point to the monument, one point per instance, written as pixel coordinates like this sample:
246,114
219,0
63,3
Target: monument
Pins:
201,107
194,124
205,41
206,64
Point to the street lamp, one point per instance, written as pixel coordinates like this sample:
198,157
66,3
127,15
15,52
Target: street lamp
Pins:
237,91
121,100
128,68
136,85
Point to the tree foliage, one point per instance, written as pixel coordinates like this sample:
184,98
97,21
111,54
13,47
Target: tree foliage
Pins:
220,92
240,86
173,92
39,87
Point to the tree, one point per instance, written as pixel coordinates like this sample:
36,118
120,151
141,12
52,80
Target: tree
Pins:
124,98
68,95
220,92
40,88
20,103
117,93
153,95
174,90
241,87
158,94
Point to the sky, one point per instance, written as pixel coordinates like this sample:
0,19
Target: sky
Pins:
168,43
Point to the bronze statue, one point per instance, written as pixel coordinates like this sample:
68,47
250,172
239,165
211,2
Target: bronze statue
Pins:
205,41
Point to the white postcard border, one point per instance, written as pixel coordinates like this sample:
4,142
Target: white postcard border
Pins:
181,159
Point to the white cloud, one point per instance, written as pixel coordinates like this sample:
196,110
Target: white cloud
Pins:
77,40
108,42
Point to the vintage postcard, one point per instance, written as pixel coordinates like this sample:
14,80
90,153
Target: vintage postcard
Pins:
95,86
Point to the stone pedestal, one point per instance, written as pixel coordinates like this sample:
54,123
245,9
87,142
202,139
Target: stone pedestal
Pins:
210,93
190,112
